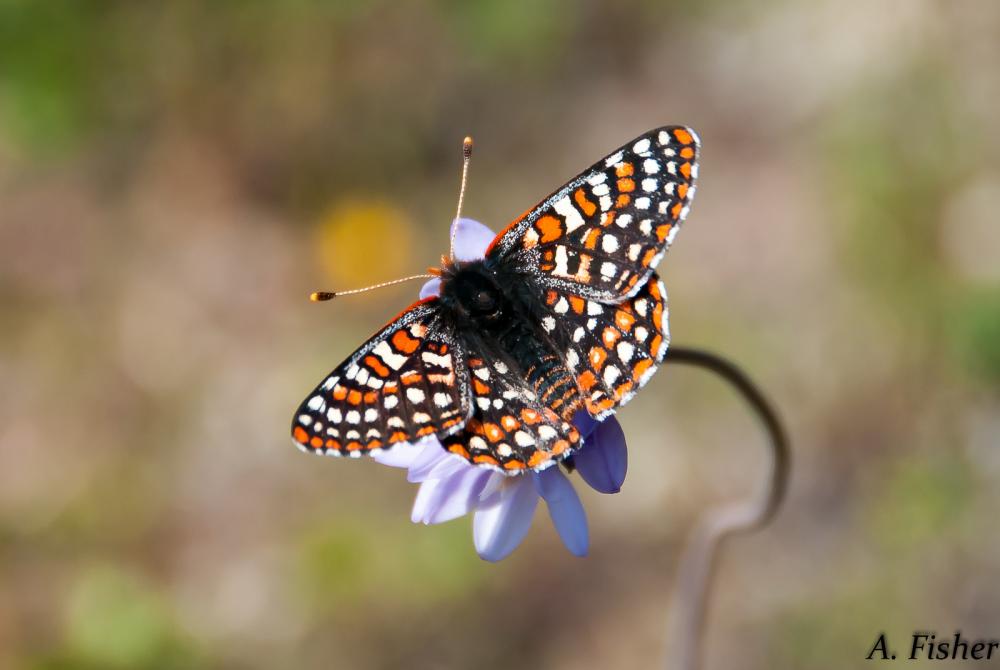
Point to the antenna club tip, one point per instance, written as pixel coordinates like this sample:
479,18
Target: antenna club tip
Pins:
467,146
320,296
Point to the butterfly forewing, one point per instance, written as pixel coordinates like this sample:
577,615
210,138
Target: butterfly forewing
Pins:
601,235
407,382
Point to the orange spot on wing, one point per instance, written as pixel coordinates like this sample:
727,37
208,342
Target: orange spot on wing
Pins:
354,397
675,211
483,458
538,458
404,343
687,152
624,169
426,430
530,416
459,449
577,303
623,389
586,206
622,201
374,444
663,230
514,465
376,365
560,446
479,387
316,442
686,170
641,367
300,435
509,423
683,136
590,239
549,227
339,393
493,432
597,357
682,191
626,185
624,320
398,436
587,380
354,446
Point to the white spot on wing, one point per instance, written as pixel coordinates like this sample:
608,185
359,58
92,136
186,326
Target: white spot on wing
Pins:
388,356
565,207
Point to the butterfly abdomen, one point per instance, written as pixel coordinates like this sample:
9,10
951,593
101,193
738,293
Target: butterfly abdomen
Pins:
553,385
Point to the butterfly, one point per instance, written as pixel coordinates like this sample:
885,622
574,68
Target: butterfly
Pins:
564,313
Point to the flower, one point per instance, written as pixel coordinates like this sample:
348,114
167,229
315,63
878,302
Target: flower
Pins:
503,506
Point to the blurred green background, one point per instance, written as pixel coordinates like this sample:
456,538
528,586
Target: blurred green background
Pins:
175,178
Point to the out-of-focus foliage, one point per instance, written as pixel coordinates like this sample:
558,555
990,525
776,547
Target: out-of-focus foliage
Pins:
175,178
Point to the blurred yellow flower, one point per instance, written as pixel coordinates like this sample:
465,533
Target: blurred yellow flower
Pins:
361,241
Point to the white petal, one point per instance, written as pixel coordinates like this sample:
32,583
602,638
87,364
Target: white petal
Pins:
498,528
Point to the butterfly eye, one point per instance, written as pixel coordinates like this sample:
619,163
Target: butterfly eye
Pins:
484,301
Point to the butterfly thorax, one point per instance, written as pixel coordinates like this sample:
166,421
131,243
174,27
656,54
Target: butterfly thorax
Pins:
495,309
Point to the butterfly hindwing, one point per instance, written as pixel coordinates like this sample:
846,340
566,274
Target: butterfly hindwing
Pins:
510,428
407,382
601,235
611,349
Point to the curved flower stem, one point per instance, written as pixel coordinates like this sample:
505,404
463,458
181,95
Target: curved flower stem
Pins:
694,575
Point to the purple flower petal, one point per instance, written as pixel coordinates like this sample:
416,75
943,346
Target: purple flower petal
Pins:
565,509
471,239
430,287
585,423
399,456
603,460
432,456
499,527
450,497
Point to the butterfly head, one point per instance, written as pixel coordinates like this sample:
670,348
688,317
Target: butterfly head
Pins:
471,290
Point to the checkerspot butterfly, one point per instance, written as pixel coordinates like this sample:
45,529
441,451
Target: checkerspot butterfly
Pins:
564,313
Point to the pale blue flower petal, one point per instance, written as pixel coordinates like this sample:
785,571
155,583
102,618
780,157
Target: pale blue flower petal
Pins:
603,460
399,456
430,287
452,496
498,528
432,456
471,239
565,509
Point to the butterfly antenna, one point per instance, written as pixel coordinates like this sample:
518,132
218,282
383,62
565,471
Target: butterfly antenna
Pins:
466,156
321,296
